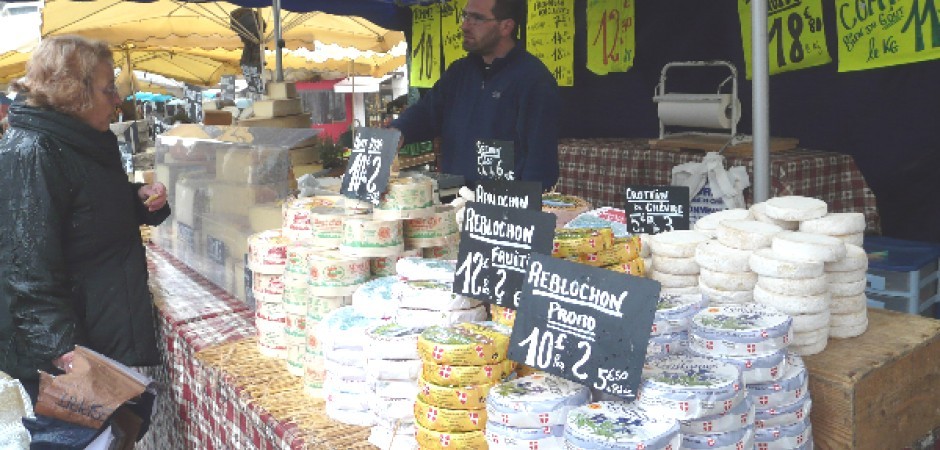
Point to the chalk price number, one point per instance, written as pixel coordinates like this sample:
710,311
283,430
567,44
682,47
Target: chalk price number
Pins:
796,24
663,224
611,30
541,351
474,284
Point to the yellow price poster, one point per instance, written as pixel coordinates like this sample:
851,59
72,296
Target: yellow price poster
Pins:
550,37
795,38
881,33
451,34
425,45
611,44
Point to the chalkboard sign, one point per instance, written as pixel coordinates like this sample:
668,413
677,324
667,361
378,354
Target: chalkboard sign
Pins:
510,194
657,209
583,323
215,249
495,246
185,234
227,83
370,163
496,160
253,78
193,102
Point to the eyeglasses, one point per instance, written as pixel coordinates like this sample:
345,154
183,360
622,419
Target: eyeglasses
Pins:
476,18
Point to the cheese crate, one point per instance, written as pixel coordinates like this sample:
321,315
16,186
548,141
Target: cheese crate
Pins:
902,275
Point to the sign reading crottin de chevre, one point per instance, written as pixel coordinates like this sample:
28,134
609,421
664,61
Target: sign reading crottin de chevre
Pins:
370,163
495,246
657,209
583,323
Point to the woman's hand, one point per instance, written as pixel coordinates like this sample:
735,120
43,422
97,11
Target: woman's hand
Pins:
153,196
64,362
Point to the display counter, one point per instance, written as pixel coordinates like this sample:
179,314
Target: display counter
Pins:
598,170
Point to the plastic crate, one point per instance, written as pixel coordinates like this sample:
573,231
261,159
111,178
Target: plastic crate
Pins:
902,275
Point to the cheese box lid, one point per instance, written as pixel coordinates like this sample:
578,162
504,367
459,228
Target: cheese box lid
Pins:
425,269
756,368
665,344
618,425
750,323
374,298
537,393
344,328
430,294
530,434
674,313
731,440
681,377
794,378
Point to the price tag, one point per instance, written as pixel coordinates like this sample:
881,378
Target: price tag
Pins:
583,323
495,247
611,43
370,163
215,249
657,209
795,37
193,102
228,87
185,234
510,194
425,45
496,160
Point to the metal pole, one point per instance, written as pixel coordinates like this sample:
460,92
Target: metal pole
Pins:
278,43
760,101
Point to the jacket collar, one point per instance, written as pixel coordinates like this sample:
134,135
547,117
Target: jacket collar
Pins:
68,132
499,63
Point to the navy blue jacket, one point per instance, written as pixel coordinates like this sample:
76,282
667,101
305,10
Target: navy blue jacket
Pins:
515,99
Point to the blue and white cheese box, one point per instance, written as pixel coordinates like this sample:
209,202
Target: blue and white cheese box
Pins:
507,438
756,368
374,298
789,388
344,328
674,313
426,269
732,440
740,330
794,436
741,416
667,344
392,341
688,387
784,415
619,425
534,401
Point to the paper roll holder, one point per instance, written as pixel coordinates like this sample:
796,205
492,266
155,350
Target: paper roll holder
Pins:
733,111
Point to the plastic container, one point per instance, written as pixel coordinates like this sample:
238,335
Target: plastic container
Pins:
902,275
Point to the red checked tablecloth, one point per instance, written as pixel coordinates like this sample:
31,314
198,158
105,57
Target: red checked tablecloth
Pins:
598,170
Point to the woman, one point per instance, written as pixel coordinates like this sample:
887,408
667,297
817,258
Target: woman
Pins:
72,264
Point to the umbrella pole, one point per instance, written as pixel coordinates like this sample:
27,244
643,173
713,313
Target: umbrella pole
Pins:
131,80
760,101
278,43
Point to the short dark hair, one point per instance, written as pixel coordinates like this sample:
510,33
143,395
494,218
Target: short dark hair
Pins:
511,9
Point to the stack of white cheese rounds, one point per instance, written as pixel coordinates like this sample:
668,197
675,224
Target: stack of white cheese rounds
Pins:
267,258
674,264
425,295
671,322
696,389
342,336
612,425
783,407
846,276
530,412
460,365
736,241
708,225
392,369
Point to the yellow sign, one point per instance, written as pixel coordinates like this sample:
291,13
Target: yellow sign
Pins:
550,37
426,45
610,45
795,38
451,34
882,33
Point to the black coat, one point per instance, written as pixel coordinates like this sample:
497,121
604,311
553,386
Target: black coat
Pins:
72,265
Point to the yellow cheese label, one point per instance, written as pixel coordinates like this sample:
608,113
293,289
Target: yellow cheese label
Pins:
438,440
446,374
435,418
464,344
453,397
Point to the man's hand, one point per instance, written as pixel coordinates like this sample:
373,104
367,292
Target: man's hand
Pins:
153,196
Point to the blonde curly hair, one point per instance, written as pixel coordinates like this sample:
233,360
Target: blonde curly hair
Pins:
60,72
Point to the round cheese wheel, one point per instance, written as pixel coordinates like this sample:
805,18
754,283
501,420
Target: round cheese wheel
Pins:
746,234
725,297
849,331
416,317
443,419
464,344
812,349
855,259
728,281
446,440
792,304
453,397
810,337
852,239
848,320
794,286
759,214
445,374
799,246
714,255
670,280
833,224
807,322
768,263
848,304
852,276
680,290
848,289
676,244
564,207
710,222
675,266
795,207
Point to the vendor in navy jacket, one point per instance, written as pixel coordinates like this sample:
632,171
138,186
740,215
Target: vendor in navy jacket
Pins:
499,91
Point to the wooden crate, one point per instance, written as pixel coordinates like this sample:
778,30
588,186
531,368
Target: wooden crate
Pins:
880,390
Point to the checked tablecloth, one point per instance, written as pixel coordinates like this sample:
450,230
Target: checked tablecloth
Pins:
599,170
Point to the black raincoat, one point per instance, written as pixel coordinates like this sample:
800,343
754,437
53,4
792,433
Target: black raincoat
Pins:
72,264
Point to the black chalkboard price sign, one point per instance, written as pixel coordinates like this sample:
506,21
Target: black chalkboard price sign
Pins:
583,323
496,160
495,246
370,163
510,194
657,209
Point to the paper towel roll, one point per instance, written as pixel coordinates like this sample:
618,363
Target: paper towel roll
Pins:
697,110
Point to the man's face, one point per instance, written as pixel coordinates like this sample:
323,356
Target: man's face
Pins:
481,30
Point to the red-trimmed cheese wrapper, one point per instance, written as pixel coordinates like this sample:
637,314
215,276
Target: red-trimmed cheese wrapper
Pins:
507,438
463,375
464,344
296,220
794,436
447,440
366,237
740,330
270,321
335,274
790,388
741,416
448,250
564,207
453,397
406,198
326,226
635,267
385,266
687,387
267,252
295,301
535,401
267,287
297,259
443,419
433,230
574,241
734,440
784,415
502,315
314,375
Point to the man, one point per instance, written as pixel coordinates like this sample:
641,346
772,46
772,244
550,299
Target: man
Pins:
499,91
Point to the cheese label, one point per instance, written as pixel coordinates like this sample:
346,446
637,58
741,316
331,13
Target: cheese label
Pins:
442,419
464,344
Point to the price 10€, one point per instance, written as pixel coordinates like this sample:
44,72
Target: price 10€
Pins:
545,350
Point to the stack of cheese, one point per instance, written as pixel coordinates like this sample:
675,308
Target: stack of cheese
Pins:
282,109
267,258
671,323
530,412
846,276
385,266
709,224
461,364
693,389
598,247
425,295
342,338
407,198
502,315
783,407
736,241
564,207
619,425
754,337
674,264
295,302
392,369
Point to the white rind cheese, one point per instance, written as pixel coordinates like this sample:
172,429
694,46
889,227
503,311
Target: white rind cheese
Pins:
795,207
849,331
766,262
847,277
791,304
709,223
810,337
670,280
726,297
834,224
799,246
714,255
746,234
794,286
676,244
849,288
855,259
848,304
759,213
812,349
807,322
852,239
728,281
848,320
